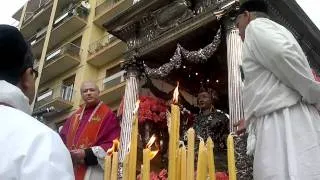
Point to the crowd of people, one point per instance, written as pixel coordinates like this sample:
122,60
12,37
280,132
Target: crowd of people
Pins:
281,106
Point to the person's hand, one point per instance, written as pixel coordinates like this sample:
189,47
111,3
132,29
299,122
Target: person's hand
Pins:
240,125
78,156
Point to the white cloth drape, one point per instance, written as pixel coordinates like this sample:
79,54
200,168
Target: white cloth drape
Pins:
280,100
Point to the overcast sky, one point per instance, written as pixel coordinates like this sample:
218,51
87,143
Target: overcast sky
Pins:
9,7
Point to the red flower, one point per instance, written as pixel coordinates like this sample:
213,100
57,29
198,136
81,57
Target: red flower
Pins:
221,176
162,175
150,109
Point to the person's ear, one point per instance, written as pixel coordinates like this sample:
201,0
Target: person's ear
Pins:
246,15
25,80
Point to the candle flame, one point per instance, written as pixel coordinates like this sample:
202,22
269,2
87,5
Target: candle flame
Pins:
114,148
136,107
149,144
153,154
151,141
176,94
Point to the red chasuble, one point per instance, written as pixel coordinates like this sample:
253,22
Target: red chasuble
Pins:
93,126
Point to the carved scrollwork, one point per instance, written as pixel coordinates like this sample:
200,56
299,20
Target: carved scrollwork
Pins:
204,5
172,14
151,25
148,29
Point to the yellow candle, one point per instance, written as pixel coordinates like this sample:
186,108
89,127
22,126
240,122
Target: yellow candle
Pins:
173,140
231,159
202,162
114,168
190,155
107,167
133,149
211,166
183,163
126,167
146,164
178,168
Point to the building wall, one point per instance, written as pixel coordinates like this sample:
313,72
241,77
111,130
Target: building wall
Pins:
91,33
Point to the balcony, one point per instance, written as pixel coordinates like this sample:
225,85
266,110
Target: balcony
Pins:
112,88
64,26
108,8
37,42
17,14
38,14
36,19
59,97
105,50
60,61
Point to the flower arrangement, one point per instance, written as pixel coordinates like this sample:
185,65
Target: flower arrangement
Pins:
150,109
162,175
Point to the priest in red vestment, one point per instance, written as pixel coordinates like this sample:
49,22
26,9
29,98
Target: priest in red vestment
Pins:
89,133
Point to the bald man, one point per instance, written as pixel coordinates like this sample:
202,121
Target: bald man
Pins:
89,133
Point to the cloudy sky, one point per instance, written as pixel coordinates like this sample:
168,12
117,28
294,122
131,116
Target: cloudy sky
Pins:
6,11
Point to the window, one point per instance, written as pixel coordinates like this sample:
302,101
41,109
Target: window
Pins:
114,76
113,70
67,88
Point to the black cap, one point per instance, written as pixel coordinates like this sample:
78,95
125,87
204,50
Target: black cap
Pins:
15,53
253,5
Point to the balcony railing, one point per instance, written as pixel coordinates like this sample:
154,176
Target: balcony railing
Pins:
112,88
64,26
60,92
103,42
69,48
113,80
27,16
30,15
39,35
107,9
77,10
108,2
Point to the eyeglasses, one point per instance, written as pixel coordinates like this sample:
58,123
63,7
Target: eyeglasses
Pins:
35,73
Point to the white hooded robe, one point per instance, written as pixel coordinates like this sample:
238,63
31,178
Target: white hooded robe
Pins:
29,149
280,100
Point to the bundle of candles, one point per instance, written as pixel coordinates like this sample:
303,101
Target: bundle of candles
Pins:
181,159
111,162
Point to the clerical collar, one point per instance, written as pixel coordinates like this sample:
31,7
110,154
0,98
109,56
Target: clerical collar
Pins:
92,106
94,111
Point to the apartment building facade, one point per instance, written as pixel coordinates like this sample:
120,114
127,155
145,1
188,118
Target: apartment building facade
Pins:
70,46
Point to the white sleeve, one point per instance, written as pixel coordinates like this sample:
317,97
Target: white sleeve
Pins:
48,159
99,152
276,49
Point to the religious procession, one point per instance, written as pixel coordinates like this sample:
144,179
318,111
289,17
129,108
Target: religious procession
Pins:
160,89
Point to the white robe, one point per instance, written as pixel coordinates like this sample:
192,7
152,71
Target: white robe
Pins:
29,149
280,100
